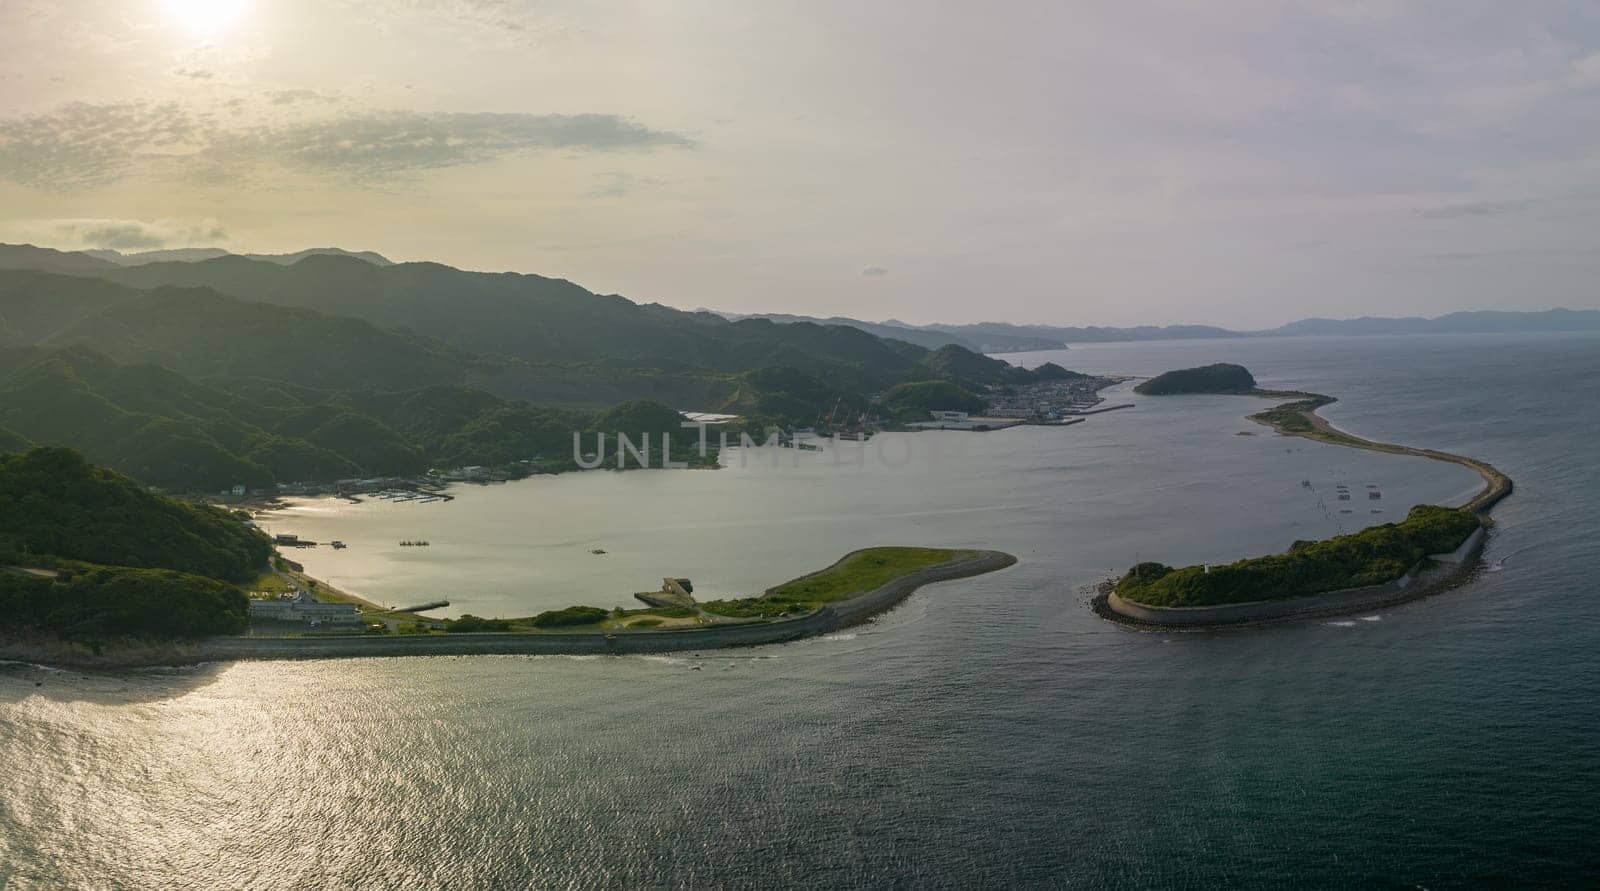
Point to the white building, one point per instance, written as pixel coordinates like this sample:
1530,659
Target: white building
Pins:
305,609
950,417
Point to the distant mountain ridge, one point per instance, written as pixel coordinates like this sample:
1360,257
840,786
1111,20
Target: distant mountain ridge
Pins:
232,273
1001,337
929,336
196,255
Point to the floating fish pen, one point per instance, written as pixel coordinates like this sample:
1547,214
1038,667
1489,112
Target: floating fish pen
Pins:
1344,496
1374,495
413,544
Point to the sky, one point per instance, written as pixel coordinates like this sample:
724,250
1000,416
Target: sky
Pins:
1233,162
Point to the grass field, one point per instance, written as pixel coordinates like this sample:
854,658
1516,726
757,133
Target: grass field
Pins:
857,574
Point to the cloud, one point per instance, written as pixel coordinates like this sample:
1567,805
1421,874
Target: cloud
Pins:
380,145
82,146
616,184
489,22
195,73
874,272
1476,209
125,234
290,97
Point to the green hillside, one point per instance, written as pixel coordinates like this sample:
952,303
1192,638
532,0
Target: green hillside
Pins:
168,431
242,372
131,563
913,402
55,503
1222,377
538,319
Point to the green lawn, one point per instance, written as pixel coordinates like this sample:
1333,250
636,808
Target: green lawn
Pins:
857,574
270,583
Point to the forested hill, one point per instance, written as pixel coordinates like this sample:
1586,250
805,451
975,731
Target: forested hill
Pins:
535,318
334,367
53,502
127,563
1222,377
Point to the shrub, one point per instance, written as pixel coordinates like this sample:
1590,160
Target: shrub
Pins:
572,615
469,624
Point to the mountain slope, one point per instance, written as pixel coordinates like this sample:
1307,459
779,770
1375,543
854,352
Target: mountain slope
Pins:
53,502
538,319
38,259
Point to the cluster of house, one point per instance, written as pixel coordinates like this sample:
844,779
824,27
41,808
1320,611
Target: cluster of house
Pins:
304,609
960,420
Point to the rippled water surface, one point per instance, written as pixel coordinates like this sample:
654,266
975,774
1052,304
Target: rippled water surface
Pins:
989,731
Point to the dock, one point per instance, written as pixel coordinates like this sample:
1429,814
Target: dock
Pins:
424,607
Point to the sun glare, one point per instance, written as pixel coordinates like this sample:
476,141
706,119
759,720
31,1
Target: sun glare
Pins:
206,17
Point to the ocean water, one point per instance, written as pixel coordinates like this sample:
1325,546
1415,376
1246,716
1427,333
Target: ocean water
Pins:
989,731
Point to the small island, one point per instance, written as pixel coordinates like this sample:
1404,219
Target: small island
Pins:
1428,551
1222,377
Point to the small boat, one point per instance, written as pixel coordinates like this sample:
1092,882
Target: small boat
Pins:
337,545
597,550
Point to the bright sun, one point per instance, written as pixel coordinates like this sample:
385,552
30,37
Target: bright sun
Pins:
206,17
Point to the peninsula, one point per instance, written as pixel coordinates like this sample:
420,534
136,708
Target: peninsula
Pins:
1428,551
155,581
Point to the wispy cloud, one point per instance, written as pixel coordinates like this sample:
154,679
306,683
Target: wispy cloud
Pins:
122,234
874,272
1471,209
377,146
82,146
503,22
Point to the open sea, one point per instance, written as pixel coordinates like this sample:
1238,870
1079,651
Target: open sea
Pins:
988,732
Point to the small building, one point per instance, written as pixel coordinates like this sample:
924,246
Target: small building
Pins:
950,417
304,609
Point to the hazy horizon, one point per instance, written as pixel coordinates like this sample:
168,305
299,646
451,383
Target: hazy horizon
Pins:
1048,163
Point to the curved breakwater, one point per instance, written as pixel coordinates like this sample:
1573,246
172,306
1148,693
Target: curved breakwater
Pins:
1447,570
